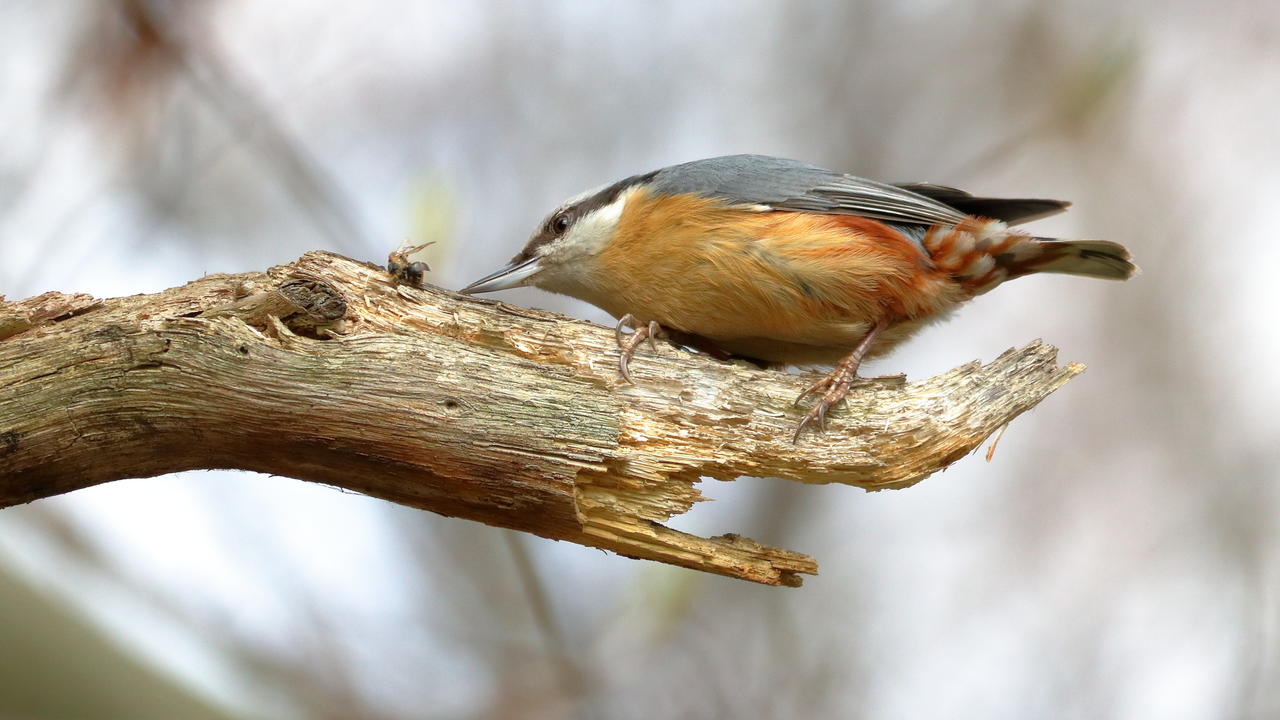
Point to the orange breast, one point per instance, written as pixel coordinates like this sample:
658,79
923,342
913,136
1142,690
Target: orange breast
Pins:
733,275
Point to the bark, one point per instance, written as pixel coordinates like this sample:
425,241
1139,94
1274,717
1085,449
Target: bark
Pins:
326,370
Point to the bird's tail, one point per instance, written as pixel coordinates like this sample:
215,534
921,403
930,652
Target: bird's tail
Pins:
1092,258
980,254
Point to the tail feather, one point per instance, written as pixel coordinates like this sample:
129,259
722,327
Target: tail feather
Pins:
1093,258
980,254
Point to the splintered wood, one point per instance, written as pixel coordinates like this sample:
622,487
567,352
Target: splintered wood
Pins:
328,370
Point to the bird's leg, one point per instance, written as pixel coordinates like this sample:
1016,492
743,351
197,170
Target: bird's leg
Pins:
836,383
627,344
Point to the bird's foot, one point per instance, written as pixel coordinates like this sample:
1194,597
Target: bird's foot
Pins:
835,386
627,344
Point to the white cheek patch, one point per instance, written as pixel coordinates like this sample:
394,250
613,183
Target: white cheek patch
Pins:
592,232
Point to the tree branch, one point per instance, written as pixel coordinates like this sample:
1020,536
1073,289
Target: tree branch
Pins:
325,370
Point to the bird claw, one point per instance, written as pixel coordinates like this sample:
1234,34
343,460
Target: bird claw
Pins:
627,344
623,321
813,388
836,385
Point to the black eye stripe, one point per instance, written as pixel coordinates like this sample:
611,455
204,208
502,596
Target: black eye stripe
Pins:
578,210
605,197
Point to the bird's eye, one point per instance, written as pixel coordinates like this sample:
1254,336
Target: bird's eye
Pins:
560,223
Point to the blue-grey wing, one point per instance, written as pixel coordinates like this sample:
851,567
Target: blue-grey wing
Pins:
793,185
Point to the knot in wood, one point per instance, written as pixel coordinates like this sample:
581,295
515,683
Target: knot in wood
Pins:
317,298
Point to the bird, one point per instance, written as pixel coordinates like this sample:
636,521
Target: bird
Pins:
784,263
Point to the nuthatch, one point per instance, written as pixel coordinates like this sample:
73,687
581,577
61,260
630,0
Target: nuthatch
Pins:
782,262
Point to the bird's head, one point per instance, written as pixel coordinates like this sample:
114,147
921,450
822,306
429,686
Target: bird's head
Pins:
562,252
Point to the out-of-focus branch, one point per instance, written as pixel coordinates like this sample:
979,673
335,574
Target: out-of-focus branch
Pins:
133,56
324,370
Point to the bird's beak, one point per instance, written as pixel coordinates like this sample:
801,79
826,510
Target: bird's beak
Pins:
514,275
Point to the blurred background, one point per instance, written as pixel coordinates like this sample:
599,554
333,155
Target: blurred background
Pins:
1118,558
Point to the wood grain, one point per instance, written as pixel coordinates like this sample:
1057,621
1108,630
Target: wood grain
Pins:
326,370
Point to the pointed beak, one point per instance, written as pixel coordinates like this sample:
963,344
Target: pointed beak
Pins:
514,275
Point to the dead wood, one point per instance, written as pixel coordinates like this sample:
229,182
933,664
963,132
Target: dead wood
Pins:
325,370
